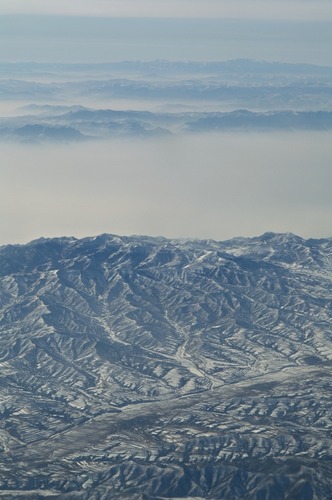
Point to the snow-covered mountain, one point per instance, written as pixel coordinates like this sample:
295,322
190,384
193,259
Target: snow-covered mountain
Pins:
138,367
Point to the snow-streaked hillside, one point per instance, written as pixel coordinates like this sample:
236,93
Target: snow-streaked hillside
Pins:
138,367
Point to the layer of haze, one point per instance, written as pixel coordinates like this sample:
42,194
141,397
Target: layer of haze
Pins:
82,39
206,186
273,9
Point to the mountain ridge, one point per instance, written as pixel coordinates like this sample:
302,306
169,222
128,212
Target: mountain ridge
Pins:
142,367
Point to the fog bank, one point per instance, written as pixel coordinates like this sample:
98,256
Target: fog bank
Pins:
202,186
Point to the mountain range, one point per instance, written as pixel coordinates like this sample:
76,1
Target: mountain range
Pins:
150,368
76,102
91,124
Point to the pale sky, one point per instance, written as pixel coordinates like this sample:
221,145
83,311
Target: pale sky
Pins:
113,30
309,10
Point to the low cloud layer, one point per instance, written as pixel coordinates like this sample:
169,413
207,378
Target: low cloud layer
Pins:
207,186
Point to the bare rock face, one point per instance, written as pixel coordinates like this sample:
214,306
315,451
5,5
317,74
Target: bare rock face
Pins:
137,367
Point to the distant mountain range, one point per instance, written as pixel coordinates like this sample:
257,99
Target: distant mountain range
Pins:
165,68
74,102
59,124
149,368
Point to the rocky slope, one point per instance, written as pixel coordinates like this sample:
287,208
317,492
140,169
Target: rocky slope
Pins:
137,367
